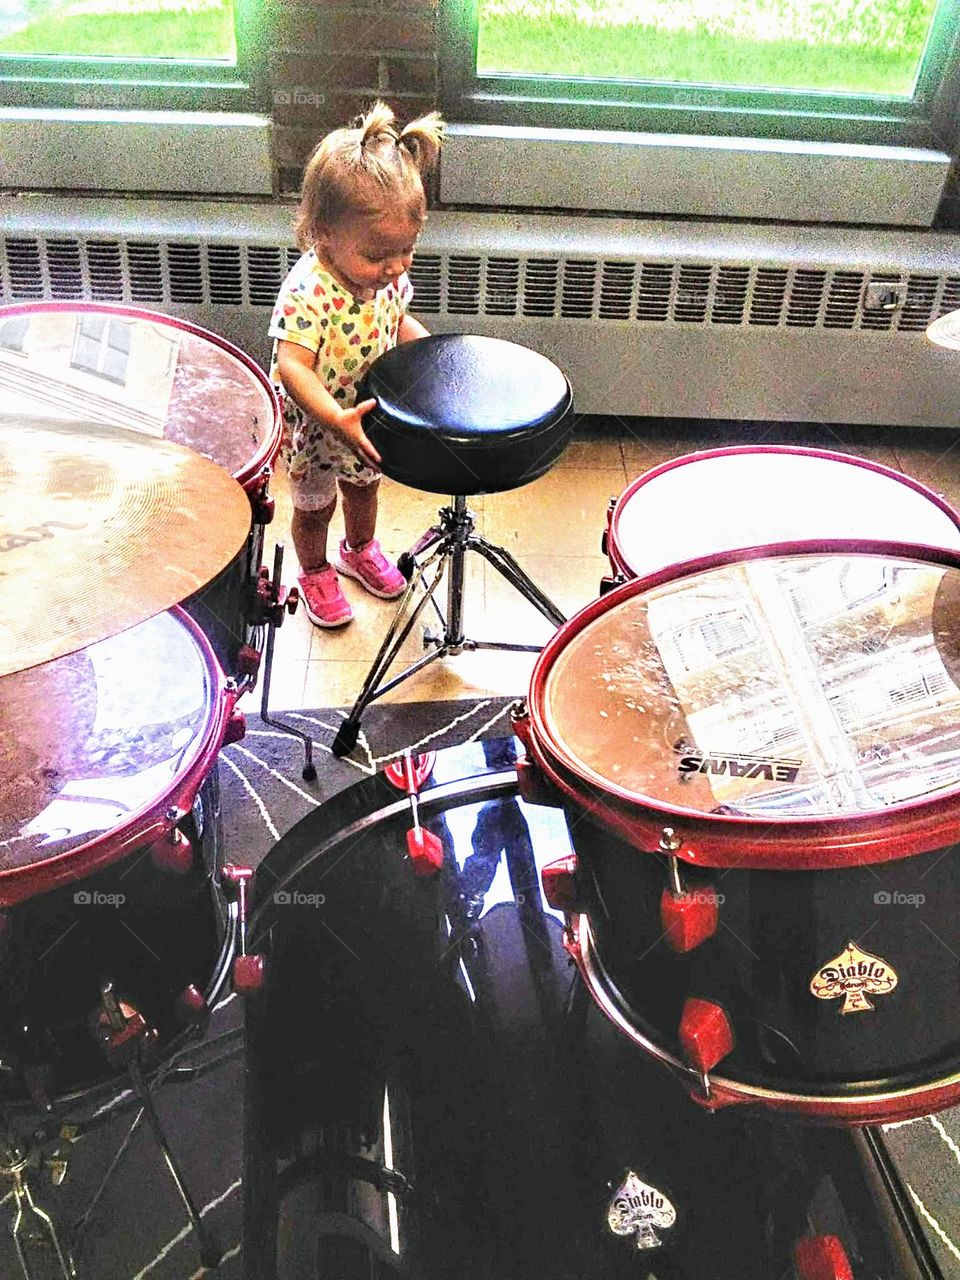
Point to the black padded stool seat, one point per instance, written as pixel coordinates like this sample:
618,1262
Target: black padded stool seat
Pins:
464,414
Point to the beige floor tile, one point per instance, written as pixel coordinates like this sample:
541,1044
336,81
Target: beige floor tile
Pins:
483,673
933,458
569,581
562,513
286,686
602,452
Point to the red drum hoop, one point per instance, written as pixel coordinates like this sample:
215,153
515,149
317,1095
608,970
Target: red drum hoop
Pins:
266,445
727,839
723,499
26,866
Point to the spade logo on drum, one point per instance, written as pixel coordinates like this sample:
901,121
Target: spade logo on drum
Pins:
641,1210
853,975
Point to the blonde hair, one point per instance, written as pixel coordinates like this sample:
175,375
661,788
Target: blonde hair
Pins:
361,170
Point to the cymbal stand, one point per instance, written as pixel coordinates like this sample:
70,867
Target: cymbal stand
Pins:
32,1229
124,1036
275,599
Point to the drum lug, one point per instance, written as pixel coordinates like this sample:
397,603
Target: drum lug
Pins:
236,728
423,847
821,1258
688,918
610,582
191,1007
264,507
120,1029
172,853
248,970
248,661
706,1037
560,884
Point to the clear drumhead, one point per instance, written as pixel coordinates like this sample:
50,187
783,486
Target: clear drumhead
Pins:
142,372
806,685
90,740
741,498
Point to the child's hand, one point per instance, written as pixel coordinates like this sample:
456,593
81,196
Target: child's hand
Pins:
350,426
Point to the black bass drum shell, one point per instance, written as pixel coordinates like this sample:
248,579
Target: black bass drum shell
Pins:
461,414
432,1093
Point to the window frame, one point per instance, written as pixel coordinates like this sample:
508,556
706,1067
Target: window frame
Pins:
146,84
929,119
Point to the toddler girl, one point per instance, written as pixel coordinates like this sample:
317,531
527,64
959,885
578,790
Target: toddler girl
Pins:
344,303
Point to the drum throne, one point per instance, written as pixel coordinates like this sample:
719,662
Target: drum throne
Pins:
462,415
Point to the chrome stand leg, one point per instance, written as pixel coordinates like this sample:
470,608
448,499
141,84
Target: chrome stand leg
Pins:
33,1231
453,537
82,1224
275,617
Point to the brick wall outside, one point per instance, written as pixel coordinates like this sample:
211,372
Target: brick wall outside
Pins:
328,61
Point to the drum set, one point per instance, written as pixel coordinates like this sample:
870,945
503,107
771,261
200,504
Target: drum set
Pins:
715,859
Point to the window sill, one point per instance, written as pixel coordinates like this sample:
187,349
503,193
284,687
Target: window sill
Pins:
194,152
684,175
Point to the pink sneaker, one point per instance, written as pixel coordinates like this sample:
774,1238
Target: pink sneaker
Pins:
325,603
372,569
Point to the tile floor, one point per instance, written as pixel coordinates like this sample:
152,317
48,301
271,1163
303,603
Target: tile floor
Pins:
553,527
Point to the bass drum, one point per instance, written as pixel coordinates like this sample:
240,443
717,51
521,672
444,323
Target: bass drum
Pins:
431,1092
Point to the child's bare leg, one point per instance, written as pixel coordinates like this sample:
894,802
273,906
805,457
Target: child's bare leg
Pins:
309,530
359,512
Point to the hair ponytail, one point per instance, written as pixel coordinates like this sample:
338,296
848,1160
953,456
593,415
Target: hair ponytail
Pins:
422,139
378,125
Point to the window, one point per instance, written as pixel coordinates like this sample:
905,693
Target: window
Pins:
819,69
188,54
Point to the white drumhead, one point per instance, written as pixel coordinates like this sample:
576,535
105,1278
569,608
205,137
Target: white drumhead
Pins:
726,501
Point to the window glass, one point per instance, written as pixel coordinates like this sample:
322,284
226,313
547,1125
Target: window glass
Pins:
832,46
184,30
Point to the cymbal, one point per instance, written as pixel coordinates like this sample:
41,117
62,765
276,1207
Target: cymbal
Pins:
102,528
945,331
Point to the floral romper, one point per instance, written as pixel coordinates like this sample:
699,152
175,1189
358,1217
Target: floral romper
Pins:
317,312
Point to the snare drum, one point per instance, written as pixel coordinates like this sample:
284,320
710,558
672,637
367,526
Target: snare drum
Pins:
724,499
763,756
135,369
109,850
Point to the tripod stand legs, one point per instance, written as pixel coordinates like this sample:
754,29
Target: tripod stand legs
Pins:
449,541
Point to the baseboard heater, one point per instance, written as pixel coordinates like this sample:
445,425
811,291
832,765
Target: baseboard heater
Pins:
668,319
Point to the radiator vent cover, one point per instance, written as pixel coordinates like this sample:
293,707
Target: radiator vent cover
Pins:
573,288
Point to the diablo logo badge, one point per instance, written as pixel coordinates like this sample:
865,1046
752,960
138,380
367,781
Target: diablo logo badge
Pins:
740,766
854,974
639,1208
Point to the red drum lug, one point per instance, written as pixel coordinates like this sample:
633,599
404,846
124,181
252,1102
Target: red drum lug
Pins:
248,660
689,919
236,728
173,853
249,973
292,600
191,1007
401,775
821,1258
235,880
520,723
425,850
534,788
264,508
706,1036
560,886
